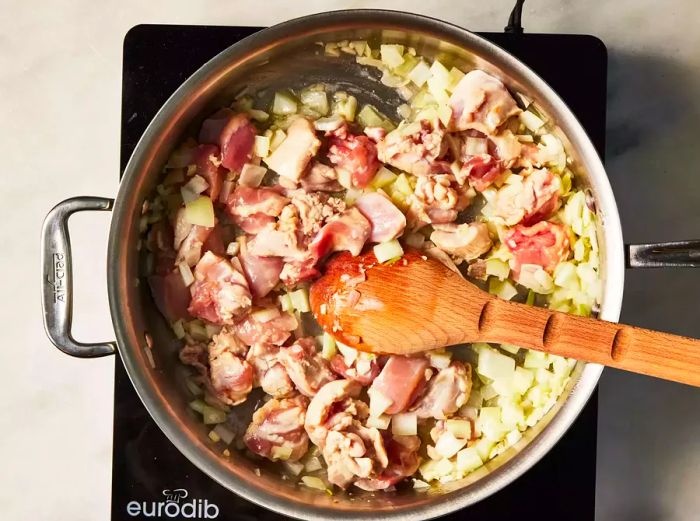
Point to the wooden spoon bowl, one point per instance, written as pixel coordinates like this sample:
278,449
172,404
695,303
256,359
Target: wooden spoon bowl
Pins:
416,304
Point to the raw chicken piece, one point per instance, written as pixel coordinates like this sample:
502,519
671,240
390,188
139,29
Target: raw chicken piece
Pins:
307,369
534,199
277,430
306,213
446,392
400,381
363,370
321,178
414,148
334,423
545,244
208,166
387,221
437,200
481,102
506,148
480,170
376,134
403,461
348,231
189,239
292,156
356,155
276,243
275,331
171,296
236,142
466,241
262,273
268,371
331,406
220,291
356,452
254,208
231,376
196,355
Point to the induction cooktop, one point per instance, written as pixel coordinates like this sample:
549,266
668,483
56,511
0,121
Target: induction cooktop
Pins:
151,479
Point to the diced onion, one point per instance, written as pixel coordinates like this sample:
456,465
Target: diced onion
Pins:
213,436
383,177
314,482
178,329
392,55
378,403
522,379
510,348
233,248
317,100
197,405
531,121
252,175
513,437
387,251
328,348
497,268
448,445
469,460
489,423
286,302
224,433
459,428
281,452
494,365
328,124
186,273
369,117
300,300
503,289
262,146
349,354
420,73
200,212
258,115
440,359
294,467
284,103
535,360
379,422
213,415
313,465
404,424
419,483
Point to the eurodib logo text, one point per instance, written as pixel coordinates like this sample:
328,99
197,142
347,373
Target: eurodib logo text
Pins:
175,506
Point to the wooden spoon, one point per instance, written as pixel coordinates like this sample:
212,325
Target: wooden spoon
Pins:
418,304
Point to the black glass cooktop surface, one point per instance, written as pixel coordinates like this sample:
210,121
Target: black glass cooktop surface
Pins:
151,479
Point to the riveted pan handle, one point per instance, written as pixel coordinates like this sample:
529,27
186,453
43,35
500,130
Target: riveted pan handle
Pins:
57,277
680,254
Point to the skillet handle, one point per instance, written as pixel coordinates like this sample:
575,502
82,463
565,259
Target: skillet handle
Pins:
680,254
57,277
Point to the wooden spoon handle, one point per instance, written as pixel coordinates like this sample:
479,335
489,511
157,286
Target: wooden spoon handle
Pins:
635,349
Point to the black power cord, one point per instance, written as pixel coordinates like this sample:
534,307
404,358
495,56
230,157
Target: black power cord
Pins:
515,25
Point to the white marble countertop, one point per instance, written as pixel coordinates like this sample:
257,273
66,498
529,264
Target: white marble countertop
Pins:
60,80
